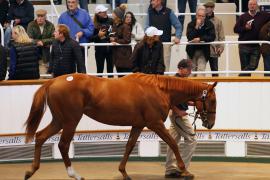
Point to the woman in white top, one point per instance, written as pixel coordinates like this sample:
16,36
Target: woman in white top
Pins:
137,33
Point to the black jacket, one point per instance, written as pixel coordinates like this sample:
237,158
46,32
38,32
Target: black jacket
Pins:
206,33
66,58
3,11
24,12
106,24
148,60
23,61
3,63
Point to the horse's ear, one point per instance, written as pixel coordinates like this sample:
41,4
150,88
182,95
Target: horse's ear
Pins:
213,85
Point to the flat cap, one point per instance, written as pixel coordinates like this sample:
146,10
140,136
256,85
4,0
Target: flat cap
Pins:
41,12
209,4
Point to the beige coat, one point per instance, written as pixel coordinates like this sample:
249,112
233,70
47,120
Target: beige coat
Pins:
219,30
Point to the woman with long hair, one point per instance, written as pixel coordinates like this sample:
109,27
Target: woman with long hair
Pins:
103,26
147,56
137,32
122,35
23,56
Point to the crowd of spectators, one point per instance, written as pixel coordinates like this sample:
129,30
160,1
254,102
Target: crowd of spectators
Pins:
123,28
35,43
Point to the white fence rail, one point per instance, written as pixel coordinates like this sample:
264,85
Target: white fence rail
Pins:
227,70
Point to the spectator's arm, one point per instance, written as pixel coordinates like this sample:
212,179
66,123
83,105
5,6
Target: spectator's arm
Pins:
3,63
176,24
147,24
210,34
80,63
48,41
10,15
61,19
12,65
221,36
30,31
95,37
29,15
192,32
88,29
239,26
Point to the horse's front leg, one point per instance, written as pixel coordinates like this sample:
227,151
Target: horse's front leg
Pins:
162,132
134,134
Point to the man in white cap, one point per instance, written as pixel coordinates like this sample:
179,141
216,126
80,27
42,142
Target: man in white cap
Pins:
103,26
163,18
147,56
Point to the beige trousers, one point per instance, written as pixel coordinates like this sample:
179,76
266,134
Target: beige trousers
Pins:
199,62
180,127
167,56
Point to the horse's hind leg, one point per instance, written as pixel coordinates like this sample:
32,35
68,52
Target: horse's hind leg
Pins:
41,136
66,137
165,136
134,134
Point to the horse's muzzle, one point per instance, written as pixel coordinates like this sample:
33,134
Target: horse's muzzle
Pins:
207,125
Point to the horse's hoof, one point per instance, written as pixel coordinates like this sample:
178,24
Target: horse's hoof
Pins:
127,178
28,174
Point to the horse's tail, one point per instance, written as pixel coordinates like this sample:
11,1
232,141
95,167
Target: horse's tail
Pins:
37,111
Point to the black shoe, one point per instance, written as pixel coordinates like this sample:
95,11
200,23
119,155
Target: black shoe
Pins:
175,174
178,174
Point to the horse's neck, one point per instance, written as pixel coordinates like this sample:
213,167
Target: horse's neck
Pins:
185,89
197,89
174,86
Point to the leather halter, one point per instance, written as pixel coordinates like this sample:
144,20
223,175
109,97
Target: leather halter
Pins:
202,114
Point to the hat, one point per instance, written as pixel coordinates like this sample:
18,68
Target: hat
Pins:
100,8
185,63
152,31
41,12
209,4
120,11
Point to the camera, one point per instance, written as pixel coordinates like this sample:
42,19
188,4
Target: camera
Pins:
104,28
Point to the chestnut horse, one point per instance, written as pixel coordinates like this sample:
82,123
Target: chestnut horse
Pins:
136,100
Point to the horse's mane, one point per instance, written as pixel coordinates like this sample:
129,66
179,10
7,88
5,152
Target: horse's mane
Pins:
166,82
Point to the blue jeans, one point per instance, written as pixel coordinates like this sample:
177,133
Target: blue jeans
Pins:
7,36
266,62
249,58
182,9
84,4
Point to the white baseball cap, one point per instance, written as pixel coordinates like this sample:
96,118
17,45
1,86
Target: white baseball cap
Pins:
100,8
152,31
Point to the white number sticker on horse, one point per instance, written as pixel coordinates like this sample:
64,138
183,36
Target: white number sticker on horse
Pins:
69,78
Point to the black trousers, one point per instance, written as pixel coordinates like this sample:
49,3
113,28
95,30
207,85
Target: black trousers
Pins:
213,61
100,60
120,69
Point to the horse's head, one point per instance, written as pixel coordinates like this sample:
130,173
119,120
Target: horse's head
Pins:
206,106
